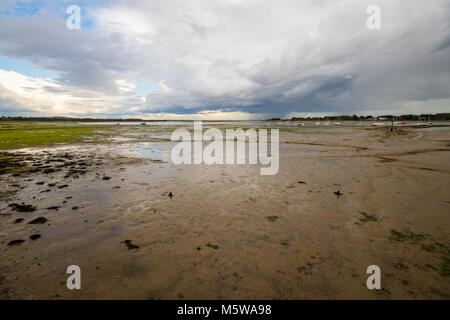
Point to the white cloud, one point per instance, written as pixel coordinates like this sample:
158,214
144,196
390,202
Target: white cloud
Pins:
125,85
163,86
47,97
124,20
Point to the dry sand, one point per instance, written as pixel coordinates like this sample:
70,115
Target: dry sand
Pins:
317,247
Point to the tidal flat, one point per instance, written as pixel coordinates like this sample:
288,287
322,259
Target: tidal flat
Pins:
107,198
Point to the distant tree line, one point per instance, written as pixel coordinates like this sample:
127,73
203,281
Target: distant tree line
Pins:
69,119
405,117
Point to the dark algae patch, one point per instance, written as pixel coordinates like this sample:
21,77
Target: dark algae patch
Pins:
427,244
445,266
10,164
39,220
272,218
212,246
306,269
22,207
406,236
367,218
401,266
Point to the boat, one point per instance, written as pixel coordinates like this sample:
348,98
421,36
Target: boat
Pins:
377,124
143,123
301,124
338,124
399,122
420,123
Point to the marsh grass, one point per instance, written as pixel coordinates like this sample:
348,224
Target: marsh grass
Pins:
14,136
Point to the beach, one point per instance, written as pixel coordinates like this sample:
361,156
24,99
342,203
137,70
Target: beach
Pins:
226,231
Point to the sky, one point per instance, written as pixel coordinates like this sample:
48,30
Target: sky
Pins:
223,59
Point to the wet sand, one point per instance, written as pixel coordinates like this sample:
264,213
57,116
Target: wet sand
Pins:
228,232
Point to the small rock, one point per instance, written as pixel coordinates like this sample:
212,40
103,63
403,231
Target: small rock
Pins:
39,220
35,236
15,242
53,208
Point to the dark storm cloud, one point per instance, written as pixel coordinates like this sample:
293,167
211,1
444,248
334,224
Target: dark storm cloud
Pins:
259,57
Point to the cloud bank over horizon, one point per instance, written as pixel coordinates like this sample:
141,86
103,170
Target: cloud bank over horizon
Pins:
223,59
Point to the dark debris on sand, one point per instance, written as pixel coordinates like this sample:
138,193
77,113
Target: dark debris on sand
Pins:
35,236
130,245
54,208
22,207
39,220
15,242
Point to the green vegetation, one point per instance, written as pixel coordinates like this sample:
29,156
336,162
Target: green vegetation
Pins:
212,246
445,266
14,136
272,218
398,236
430,246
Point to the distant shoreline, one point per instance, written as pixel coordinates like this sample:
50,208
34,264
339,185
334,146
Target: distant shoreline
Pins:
408,117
